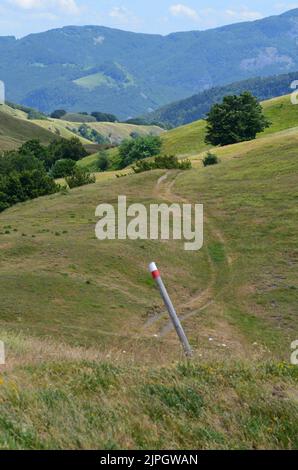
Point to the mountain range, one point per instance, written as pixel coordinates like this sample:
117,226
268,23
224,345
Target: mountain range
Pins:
89,68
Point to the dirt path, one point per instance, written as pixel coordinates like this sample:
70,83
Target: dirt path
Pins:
218,331
199,302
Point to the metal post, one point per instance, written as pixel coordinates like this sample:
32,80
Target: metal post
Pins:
172,312
2,353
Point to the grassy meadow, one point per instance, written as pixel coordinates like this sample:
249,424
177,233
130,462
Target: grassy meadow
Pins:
92,360
188,140
79,400
16,130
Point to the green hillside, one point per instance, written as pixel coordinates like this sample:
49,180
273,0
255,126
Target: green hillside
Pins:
90,322
15,130
69,230
114,132
59,129
188,140
185,140
282,113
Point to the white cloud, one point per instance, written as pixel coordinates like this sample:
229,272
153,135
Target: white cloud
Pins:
67,6
244,14
183,10
28,4
120,13
285,6
123,16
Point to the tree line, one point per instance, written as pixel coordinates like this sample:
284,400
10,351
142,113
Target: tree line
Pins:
30,171
96,115
197,106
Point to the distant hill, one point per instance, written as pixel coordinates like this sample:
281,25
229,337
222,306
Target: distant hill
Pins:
93,68
190,139
194,108
16,128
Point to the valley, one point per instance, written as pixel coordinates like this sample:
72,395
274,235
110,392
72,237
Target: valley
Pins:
84,68
89,321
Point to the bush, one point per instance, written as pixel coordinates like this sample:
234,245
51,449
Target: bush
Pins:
102,163
60,149
58,114
80,177
142,165
35,148
91,134
138,149
64,149
78,117
210,159
145,122
62,168
134,135
33,114
167,162
171,162
104,117
23,177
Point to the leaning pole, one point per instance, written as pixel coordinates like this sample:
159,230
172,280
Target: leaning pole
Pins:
172,312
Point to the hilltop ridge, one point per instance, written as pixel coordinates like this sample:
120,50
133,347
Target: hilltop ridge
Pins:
128,74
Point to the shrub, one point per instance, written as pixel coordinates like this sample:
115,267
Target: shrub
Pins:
210,159
33,114
58,114
137,149
102,163
171,162
35,148
59,149
145,122
64,149
104,117
78,117
62,168
91,134
80,177
23,177
142,166
134,135
162,162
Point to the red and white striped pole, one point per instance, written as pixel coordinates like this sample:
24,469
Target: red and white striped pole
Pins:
172,312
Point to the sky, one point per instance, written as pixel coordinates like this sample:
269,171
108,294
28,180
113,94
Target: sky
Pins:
21,17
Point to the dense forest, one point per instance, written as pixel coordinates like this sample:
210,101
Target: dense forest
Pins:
197,106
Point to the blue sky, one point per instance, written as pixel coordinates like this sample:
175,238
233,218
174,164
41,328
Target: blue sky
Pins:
21,17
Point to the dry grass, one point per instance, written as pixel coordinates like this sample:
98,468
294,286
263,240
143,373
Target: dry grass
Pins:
77,399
